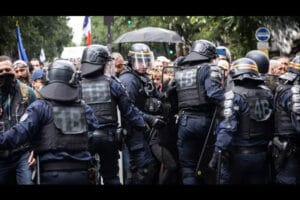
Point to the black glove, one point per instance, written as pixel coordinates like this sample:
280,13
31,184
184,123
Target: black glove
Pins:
171,88
119,138
213,163
156,121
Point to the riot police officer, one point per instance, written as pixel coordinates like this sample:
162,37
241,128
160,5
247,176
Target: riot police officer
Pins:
199,91
57,127
145,97
244,133
104,92
286,142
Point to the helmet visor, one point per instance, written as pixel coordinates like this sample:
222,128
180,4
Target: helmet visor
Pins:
142,61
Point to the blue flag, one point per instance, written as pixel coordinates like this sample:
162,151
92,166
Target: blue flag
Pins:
21,50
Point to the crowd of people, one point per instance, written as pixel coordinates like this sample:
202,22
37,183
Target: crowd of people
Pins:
204,118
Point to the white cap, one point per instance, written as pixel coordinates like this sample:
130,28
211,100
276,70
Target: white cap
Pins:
20,63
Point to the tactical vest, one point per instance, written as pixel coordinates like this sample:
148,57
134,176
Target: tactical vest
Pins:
67,130
256,121
190,91
283,122
148,101
97,94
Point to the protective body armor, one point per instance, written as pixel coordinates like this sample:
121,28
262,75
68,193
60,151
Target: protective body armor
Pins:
283,123
96,93
256,121
67,130
148,94
190,91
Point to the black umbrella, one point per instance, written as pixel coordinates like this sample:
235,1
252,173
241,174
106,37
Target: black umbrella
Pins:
150,34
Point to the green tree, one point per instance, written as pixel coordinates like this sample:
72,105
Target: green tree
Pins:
48,32
235,32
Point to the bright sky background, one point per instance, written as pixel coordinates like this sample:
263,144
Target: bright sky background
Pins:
76,23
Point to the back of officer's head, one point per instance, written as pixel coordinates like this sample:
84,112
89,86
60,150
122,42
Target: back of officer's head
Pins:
202,50
94,59
261,60
61,71
61,82
244,69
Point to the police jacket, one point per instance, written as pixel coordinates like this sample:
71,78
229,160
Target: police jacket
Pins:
32,125
104,100
247,118
199,87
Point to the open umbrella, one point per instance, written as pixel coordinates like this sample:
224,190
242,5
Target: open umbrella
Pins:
150,34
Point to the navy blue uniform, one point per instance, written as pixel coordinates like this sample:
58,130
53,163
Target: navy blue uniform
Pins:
199,91
286,155
105,143
139,150
244,134
38,115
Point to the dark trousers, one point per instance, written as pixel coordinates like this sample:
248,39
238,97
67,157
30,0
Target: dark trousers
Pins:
192,131
109,156
64,178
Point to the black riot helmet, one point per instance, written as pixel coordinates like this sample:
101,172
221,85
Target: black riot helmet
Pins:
245,68
294,65
93,59
201,50
261,60
62,83
140,57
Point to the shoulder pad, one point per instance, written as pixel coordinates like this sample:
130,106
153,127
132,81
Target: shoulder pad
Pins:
288,76
264,87
282,88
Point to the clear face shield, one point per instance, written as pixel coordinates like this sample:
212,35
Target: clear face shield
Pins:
109,69
142,61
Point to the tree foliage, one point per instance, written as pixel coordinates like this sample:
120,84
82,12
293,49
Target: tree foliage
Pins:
48,32
235,32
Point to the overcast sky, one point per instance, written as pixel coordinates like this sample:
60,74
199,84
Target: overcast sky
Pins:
76,23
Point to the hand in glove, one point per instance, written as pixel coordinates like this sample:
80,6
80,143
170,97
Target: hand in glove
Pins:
156,121
171,88
213,163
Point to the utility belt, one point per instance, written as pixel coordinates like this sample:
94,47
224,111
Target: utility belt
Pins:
8,153
105,131
197,113
64,165
100,133
249,150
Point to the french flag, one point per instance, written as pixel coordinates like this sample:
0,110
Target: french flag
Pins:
87,30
